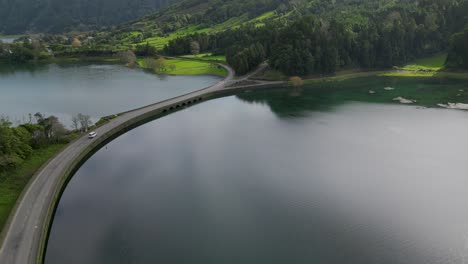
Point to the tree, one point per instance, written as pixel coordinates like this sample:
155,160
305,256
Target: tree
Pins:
85,122
53,129
146,50
161,64
150,63
14,145
458,54
76,43
127,57
296,81
75,122
39,117
195,47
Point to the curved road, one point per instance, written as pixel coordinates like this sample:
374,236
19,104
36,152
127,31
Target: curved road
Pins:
29,224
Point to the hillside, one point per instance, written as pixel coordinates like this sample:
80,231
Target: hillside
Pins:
215,16
19,16
300,37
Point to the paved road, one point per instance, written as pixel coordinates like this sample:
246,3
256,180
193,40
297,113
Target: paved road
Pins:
25,233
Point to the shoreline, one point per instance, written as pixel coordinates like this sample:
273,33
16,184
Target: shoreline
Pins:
208,95
25,239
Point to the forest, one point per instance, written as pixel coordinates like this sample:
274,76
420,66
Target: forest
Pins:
296,37
458,55
323,44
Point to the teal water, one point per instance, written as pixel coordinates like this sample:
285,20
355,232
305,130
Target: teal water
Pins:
7,39
321,175
93,89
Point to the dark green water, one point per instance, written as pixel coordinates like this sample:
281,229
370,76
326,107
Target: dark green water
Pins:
93,89
312,176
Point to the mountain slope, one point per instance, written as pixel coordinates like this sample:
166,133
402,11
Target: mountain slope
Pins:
19,16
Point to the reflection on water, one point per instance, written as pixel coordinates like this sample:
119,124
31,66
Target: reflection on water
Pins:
230,181
93,89
323,96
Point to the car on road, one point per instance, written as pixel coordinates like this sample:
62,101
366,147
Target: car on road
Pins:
92,135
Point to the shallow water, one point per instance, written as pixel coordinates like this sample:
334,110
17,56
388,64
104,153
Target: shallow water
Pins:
274,177
92,89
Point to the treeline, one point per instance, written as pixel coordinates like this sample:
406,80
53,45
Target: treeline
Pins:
21,52
17,143
458,53
314,44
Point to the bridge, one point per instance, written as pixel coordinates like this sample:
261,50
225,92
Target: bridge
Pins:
26,233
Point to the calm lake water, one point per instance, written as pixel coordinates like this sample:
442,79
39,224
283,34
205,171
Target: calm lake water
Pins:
308,176
92,89
7,39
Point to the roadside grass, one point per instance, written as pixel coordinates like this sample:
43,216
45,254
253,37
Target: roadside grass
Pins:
433,63
13,182
188,67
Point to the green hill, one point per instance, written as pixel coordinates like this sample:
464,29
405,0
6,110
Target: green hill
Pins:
297,37
19,16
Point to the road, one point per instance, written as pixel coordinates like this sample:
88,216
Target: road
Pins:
24,236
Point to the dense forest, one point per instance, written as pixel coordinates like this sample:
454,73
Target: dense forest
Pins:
299,37
458,55
19,16
370,37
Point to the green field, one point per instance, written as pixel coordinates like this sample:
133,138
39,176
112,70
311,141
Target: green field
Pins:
160,41
12,183
206,56
451,75
434,63
188,67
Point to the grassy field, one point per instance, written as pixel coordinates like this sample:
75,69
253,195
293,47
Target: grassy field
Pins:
160,41
207,56
188,67
12,183
434,63
451,75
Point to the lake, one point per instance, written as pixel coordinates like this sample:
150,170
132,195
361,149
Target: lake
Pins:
97,90
7,39
330,174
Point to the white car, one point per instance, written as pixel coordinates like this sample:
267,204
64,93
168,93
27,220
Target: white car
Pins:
92,135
